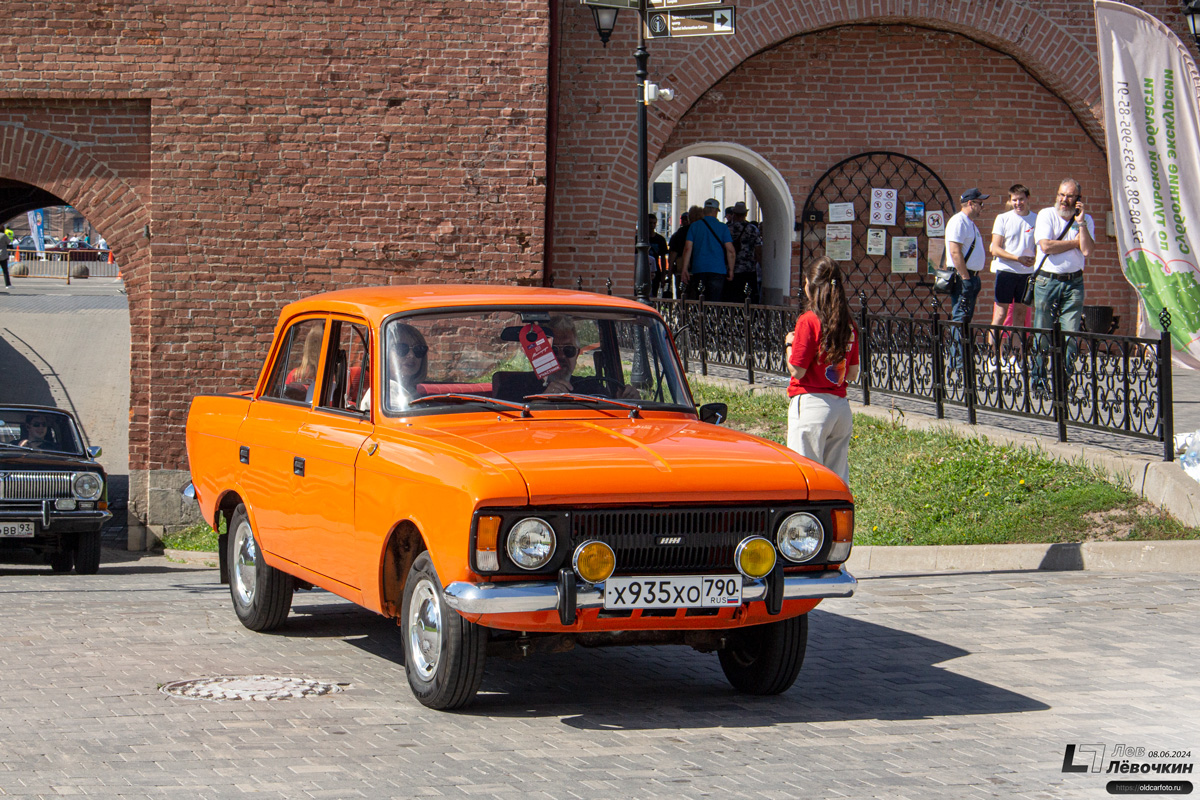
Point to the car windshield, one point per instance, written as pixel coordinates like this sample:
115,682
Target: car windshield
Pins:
35,429
527,356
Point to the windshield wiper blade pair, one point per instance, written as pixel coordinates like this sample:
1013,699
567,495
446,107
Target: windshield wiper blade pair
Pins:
588,398
475,398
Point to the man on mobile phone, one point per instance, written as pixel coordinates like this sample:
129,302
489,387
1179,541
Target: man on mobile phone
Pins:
1058,290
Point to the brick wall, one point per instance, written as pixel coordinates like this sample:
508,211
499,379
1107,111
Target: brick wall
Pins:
275,150
985,94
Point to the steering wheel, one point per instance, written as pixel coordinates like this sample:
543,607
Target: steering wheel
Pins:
590,383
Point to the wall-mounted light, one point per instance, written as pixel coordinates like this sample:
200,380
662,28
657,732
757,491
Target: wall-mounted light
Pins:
606,21
1191,10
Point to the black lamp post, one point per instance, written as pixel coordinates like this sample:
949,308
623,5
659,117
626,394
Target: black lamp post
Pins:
1191,10
606,20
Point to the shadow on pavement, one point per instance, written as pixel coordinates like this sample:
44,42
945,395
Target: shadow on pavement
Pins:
854,671
23,381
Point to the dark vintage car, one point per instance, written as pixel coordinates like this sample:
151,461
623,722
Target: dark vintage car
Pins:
53,494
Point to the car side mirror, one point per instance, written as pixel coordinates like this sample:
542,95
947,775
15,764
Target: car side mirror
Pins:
714,413
95,452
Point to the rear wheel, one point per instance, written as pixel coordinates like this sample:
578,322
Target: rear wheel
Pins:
765,659
443,653
87,553
262,595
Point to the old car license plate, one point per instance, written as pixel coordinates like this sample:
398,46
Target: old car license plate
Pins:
15,529
676,591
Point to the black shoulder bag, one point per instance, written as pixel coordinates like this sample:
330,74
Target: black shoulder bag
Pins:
943,279
1027,296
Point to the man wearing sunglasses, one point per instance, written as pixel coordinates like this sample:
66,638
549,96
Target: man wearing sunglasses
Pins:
564,341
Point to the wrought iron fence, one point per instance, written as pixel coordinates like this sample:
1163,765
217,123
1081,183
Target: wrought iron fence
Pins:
1117,384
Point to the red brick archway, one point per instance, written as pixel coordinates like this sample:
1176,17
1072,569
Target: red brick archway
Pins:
95,156
1054,52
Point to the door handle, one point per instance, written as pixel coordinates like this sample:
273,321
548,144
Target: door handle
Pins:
298,466
244,454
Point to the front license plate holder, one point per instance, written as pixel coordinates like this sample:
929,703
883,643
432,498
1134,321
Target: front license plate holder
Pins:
673,591
16,530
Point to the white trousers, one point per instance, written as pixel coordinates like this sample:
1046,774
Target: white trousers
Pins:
819,427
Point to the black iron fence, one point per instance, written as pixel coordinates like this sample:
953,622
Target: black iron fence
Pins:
1117,384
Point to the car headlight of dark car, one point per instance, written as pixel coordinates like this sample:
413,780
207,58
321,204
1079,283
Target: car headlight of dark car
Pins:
87,485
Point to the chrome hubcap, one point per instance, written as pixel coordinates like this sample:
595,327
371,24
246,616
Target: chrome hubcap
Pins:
245,561
425,629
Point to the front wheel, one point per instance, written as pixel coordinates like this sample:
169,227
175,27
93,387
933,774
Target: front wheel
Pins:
443,653
765,659
262,595
87,553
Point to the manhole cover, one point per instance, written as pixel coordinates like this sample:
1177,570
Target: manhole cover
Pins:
250,687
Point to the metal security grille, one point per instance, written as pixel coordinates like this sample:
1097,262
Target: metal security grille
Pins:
645,540
851,181
34,485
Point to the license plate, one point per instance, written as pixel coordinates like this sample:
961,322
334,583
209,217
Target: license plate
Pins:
676,591
12,530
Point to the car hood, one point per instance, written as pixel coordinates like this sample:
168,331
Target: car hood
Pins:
20,460
619,460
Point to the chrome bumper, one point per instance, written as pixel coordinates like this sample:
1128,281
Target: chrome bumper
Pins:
524,597
47,515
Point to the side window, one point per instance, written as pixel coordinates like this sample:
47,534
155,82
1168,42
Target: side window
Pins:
347,367
294,375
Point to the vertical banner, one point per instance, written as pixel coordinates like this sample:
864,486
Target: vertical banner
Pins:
1151,122
35,229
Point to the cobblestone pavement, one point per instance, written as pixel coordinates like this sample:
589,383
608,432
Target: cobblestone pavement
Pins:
925,686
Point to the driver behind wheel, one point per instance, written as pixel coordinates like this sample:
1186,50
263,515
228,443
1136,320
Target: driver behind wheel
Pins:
565,344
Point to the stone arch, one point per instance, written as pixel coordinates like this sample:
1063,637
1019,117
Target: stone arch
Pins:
774,198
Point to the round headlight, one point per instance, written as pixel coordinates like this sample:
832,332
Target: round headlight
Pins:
754,557
594,561
800,537
530,543
86,485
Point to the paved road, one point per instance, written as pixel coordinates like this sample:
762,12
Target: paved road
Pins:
927,686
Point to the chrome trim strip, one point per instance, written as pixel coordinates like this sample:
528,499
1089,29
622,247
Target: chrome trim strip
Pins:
529,596
32,516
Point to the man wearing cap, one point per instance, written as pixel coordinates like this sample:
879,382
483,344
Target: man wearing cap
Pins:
747,247
1058,290
708,255
967,255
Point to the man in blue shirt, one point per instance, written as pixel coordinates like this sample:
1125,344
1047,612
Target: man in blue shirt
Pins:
708,255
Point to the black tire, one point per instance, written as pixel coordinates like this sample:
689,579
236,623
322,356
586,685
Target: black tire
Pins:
87,553
62,562
765,659
443,653
262,595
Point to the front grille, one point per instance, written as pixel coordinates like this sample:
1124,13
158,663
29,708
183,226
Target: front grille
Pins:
707,537
34,485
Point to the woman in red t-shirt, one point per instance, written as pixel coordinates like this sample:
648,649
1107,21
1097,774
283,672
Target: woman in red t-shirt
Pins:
822,355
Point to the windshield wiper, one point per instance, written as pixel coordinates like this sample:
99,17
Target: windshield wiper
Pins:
18,446
474,398
588,398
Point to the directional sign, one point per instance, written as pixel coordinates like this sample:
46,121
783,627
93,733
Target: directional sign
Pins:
706,22
671,5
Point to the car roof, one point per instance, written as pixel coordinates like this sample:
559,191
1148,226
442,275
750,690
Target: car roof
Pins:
375,303
33,408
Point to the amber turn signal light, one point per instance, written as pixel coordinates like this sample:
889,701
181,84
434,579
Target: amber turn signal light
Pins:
486,534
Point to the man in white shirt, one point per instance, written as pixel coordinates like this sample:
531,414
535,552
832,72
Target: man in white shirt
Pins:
965,254
1058,290
1013,250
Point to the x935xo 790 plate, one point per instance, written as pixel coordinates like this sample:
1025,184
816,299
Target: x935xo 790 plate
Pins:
675,591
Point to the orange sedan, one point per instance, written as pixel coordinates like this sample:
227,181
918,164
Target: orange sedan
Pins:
507,470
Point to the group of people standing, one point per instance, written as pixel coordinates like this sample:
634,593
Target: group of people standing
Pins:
718,261
1049,248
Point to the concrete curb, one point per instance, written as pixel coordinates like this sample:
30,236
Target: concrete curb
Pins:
195,558
1141,556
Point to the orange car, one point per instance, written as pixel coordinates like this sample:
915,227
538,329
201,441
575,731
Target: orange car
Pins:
505,470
